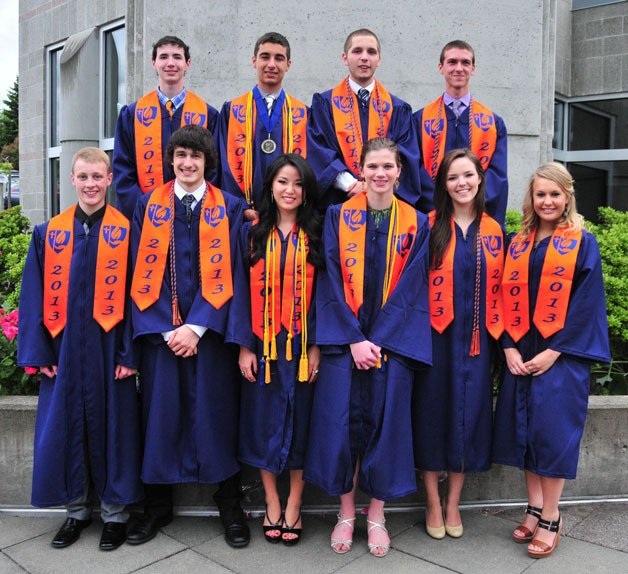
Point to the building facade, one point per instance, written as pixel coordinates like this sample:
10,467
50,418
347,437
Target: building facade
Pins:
556,72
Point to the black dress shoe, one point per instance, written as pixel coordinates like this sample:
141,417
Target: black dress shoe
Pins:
237,533
70,532
113,535
144,528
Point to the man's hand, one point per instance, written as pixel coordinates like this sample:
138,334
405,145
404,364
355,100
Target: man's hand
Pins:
183,342
365,354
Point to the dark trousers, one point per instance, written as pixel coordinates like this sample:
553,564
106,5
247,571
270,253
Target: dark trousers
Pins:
158,500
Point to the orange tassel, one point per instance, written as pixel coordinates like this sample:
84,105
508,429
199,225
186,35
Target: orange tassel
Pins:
474,351
176,316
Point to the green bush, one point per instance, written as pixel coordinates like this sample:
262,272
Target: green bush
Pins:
14,241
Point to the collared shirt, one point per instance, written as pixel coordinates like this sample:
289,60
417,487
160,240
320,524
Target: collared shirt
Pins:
355,86
465,101
89,220
177,101
198,195
265,95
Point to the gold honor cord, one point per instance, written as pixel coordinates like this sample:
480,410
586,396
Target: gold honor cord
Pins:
248,159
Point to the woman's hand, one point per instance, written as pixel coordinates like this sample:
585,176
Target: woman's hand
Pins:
248,364
365,354
542,363
313,361
123,372
514,362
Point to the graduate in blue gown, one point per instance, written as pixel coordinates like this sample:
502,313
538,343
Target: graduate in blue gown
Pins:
87,428
171,61
371,340
338,180
277,394
457,65
274,111
189,379
542,404
453,400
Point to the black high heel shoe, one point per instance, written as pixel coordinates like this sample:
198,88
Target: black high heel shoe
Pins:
276,526
287,529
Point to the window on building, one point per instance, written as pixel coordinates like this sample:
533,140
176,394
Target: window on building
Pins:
591,138
53,135
113,85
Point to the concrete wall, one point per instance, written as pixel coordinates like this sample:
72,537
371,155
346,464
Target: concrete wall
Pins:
601,472
514,43
599,62
563,47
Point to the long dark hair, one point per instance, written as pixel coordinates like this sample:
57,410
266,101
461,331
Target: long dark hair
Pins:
307,215
440,236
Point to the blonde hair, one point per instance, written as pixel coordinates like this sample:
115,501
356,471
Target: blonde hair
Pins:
92,155
558,174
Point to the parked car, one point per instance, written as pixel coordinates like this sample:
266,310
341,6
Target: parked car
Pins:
15,190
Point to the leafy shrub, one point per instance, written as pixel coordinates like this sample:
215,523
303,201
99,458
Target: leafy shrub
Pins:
14,241
14,380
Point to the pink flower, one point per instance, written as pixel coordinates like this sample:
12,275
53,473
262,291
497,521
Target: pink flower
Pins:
31,370
8,323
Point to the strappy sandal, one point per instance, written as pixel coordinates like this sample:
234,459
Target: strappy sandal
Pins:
372,545
287,529
546,549
273,526
348,542
527,533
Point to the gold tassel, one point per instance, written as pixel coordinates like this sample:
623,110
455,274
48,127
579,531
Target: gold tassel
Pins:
267,371
273,349
289,348
379,363
303,369
475,343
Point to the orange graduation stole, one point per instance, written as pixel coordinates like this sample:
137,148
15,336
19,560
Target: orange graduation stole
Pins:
270,312
347,120
148,145
111,266
441,286
352,243
554,288
241,136
482,134
157,240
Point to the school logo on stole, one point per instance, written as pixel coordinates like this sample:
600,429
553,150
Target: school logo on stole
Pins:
114,235
404,243
517,249
380,106
58,239
158,214
214,215
297,115
239,112
483,121
493,244
564,244
434,127
193,119
146,115
354,218
343,104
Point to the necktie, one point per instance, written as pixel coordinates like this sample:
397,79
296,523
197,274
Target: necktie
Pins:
187,200
86,226
457,106
363,96
269,103
170,107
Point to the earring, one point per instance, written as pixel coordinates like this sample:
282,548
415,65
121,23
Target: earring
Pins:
272,196
363,185
396,184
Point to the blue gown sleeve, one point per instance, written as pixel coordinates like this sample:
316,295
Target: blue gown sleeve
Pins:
335,322
585,333
323,152
127,350
497,176
34,343
403,324
124,164
239,329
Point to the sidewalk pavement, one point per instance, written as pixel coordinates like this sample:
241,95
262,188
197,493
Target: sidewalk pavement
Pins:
594,540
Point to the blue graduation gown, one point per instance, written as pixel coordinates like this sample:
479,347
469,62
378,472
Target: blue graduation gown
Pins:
326,158
83,411
189,405
366,415
496,174
261,160
274,417
539,421
124,164
452,406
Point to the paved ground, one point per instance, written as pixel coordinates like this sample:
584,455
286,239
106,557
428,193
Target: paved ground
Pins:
595,540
